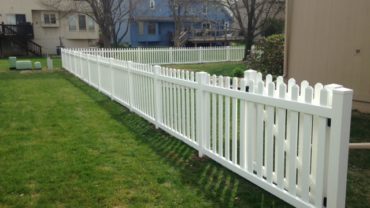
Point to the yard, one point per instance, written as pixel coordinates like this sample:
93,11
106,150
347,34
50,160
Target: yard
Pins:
63,144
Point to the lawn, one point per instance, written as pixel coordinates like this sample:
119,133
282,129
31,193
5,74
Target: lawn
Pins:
223,68
63,144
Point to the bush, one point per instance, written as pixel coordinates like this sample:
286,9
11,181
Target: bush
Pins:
272,27
238,72
268,55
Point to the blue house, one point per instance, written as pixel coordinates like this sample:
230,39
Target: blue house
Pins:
152,24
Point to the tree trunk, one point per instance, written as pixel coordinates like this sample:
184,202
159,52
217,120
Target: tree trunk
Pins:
106,41
248,40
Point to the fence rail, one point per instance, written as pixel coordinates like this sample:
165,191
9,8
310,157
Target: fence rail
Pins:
170,55
289,139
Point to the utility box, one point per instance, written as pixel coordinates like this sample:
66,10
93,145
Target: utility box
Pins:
20,65
12,61
37,65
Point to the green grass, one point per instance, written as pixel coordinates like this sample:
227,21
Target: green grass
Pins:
4,65
224,68
63,144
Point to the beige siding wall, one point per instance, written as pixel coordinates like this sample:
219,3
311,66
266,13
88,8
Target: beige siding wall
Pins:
49,37
328,41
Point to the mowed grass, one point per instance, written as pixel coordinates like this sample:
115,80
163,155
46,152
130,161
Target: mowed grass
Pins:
223,68
63,144
4,64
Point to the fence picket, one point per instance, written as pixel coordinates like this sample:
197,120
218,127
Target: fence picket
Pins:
306,153
234,124
220,118
280,139
269,135
292,137
227,120
259,132
242,130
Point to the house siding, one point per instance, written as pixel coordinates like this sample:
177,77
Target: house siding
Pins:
328,41
161,15
47,37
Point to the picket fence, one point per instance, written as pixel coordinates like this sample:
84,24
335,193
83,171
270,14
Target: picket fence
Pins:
291,140
182,55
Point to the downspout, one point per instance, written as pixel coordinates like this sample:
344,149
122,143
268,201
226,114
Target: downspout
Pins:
286,45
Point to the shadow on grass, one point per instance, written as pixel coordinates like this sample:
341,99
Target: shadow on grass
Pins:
219,185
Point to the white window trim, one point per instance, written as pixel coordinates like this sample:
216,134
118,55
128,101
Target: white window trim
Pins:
205,9
88,20
49,25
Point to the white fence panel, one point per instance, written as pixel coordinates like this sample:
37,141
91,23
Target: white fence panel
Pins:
183,55
288,139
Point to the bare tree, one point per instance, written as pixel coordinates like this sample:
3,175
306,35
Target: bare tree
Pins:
251,16
179,11
112,16
183,12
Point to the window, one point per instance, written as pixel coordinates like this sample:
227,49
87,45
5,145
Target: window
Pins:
206,26
152,4
141,28
205,9
227,25
152,28
50,19
90,24
81,22
72,23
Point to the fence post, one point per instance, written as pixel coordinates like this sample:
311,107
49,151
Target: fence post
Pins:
130,90
228,53
157,96
140,55
112,78
200,54
171,55
88,59
99,73
201,78
338,147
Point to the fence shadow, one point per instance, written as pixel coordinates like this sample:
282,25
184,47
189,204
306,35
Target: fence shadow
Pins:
221,186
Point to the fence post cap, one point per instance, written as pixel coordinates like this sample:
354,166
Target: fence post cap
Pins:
342,91
250,74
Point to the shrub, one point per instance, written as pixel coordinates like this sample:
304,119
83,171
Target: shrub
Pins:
268,55
272,27
238,72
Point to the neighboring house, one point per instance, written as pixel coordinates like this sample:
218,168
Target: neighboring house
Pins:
152,24
29,28
328,41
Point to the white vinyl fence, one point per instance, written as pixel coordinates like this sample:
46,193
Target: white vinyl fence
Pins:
289,139
170,55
